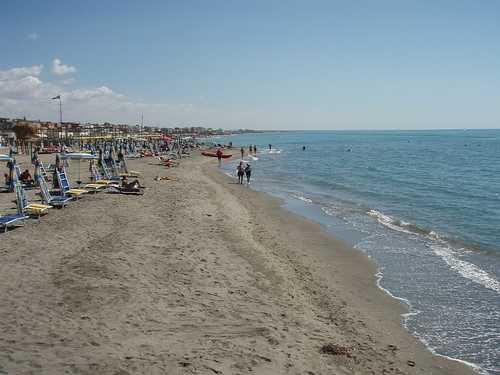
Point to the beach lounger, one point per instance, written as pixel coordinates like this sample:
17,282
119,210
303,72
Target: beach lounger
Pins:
126,191
7,220
17,177
13,219
53,200
35,209
44,169
126,172
99,183
65,186
107,174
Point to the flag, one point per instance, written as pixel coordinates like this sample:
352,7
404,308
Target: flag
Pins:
57,97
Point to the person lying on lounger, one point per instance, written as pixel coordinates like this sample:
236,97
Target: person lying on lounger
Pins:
131,185
26,178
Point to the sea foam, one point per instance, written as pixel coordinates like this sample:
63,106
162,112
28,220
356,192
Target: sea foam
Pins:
464,268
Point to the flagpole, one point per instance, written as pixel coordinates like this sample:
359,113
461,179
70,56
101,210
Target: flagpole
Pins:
60,110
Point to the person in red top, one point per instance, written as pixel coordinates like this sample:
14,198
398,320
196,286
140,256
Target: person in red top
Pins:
219,156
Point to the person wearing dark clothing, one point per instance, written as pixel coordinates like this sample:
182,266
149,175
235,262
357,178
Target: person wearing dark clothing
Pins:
219,156
248,173
26,178
241,172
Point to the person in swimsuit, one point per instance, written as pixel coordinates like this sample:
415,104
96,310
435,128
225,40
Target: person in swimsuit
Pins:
248,173
241,172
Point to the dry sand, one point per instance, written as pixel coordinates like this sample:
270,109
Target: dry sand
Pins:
198,276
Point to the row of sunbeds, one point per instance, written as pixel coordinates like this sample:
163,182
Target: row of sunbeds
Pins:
67,194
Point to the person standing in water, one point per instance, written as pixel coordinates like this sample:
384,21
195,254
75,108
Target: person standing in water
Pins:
242,152
270,146
248,173
219,156
303,148
240,171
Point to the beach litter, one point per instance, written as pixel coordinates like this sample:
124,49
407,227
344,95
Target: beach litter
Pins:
164,178
334,349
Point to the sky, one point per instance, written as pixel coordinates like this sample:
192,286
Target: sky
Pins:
254,64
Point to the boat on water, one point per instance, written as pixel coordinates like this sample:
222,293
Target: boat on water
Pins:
214,154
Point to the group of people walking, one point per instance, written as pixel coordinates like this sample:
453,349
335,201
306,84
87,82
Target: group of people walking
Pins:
242,171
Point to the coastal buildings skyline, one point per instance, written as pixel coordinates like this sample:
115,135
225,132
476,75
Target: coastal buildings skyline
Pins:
320,65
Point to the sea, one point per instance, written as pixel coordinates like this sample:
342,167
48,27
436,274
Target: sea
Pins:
424,205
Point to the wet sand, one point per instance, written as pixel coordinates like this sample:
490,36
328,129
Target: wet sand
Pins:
198,276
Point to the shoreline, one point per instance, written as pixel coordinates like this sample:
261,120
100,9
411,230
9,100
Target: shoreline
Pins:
199,275
400,305
378,275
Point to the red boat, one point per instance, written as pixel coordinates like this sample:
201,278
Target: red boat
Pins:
49,150
214,154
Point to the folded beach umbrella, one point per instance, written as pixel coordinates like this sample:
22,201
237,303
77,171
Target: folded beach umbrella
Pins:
78,156
4,157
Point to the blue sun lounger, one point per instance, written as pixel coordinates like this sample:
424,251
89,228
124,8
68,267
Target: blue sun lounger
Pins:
17,177
7,220
34,209
53,200
65,186
107,173
13,219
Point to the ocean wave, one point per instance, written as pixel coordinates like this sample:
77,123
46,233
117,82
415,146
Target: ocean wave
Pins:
304,199
328,211
412,312
441,247
466,269
390,222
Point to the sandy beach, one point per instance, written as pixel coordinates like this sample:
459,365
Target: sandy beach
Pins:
199,275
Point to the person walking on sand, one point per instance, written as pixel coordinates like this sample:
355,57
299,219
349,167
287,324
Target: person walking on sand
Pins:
219,156
248,173
241,172
242,152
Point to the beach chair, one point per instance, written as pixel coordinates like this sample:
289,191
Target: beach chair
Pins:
65,186
53,200
34,209
126,191
99,183
44,168
126,172
107,174
7,220
13,219
17,178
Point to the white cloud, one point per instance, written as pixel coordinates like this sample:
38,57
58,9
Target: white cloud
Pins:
14,73
68,81
88,94
23,93
61,69
32,36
